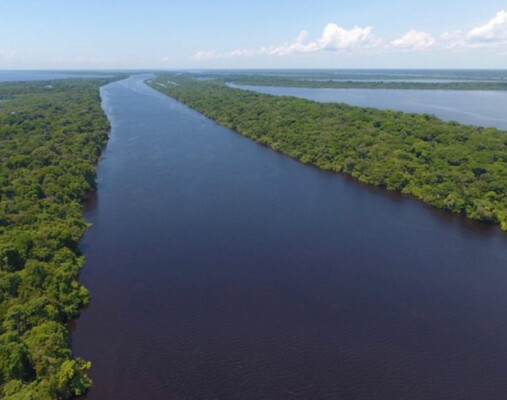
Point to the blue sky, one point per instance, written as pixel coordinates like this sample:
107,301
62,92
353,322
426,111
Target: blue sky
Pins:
168,34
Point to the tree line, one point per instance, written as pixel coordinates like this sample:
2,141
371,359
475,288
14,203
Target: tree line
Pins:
354,83
51,136
451,166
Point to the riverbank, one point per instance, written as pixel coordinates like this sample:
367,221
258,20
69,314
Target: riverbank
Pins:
440,80
221,269
357,84
52,134
455,167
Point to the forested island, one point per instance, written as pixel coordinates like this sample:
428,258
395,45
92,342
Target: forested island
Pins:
355,83
451,166
51,136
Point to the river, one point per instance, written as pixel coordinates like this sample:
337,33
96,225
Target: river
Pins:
474,107
220,269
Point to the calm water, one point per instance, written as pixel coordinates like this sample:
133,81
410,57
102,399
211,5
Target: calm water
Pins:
220,269
485,108
417,80
376,74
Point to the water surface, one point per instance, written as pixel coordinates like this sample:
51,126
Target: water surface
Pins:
377,74
15,76
475,107
359,79
220,269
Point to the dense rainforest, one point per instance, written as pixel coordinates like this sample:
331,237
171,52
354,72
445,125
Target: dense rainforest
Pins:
51,136
456,167
354,83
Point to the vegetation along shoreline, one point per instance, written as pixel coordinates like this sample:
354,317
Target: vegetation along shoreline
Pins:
51,137
459,168
282,81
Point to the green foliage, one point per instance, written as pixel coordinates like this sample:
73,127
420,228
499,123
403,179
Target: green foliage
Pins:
355,83
51,135
456,167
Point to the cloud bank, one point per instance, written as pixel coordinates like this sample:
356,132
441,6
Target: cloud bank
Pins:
337,38
414,40
494,31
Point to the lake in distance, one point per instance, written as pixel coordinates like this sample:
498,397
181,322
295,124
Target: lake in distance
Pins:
220,269
33,75
474,107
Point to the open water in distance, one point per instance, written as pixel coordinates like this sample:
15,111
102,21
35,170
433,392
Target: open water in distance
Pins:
374,74
475,107
220,269
23,76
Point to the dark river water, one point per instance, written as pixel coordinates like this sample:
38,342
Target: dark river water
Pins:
475,107
220,269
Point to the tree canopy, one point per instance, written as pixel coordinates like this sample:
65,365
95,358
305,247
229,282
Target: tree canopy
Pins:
51,136
456,167
353,82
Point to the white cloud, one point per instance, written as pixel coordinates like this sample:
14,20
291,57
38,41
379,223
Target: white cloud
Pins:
453,40
298,46
206,55
414,40
495,30
333,37
6,54
493,34
242,53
